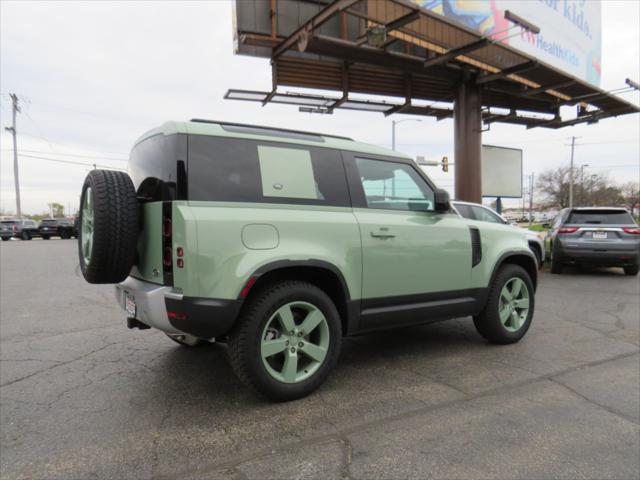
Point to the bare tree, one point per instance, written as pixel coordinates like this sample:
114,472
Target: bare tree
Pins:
630,194
553,185
596,189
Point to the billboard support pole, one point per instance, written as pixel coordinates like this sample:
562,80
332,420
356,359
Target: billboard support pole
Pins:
467,121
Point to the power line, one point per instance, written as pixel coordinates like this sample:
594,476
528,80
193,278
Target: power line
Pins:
71,162
71,155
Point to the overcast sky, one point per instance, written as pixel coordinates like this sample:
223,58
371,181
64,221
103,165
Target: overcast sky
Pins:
93,76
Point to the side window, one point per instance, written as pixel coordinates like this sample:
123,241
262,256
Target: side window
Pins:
239,170
557,221
393,186
485,215
465,211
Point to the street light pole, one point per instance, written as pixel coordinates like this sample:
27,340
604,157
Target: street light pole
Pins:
393,145
393,129
573,144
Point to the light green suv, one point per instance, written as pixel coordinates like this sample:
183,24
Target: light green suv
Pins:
282,242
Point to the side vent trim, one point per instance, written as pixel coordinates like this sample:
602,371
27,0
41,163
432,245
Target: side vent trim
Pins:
476,246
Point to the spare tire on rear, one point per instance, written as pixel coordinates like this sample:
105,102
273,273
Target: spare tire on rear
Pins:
108,226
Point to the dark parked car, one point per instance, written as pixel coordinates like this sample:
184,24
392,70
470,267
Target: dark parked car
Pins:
57,227
607,237
24,229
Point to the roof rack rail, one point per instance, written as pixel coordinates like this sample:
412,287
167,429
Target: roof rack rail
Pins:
287,130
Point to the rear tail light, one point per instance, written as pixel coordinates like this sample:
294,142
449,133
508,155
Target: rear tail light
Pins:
568,229
632,230
166,227
167,259
176,315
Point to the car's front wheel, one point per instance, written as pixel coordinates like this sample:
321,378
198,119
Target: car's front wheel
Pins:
509,309
287,340
5,239
45,237
25,235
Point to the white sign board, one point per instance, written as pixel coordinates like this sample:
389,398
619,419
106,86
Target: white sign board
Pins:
501,172
570,30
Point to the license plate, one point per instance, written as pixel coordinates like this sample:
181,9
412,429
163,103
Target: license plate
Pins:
599,235
130,304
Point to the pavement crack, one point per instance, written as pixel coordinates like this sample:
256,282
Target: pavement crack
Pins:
593,402
16,380
315,440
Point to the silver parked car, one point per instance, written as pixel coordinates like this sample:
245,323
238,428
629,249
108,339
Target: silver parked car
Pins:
599,236
475,211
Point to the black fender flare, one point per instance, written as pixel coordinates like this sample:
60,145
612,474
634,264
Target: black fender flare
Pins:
531,267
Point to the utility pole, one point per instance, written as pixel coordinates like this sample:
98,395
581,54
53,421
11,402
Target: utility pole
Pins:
12,129
573,145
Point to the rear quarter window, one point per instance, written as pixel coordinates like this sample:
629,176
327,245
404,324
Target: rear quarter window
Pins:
157,167
601,217
239,170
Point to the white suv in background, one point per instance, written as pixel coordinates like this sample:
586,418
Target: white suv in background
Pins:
475,211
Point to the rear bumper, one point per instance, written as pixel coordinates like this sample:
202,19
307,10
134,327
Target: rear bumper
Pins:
161,307
603,257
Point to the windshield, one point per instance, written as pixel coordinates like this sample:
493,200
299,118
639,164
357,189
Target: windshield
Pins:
601,217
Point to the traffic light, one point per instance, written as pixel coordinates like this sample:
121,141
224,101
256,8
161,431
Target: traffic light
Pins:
445,164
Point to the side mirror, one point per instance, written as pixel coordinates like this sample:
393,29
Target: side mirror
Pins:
441,200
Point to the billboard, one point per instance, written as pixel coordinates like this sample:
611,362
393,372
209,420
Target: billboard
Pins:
570,30
501,172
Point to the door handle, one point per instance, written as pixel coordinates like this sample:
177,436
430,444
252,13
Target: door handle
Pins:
383,233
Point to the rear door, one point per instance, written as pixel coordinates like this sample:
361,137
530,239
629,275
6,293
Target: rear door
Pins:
408,249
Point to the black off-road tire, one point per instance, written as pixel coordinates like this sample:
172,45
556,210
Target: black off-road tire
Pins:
5,239
188,341
115,227
244,340
556,266
631,270
25,235
64,234
46,237
488,322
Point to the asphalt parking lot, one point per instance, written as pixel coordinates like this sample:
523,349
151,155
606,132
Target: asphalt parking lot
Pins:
83,397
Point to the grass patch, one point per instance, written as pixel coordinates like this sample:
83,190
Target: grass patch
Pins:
537,227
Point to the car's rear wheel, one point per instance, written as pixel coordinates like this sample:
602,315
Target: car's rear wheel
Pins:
556,266
45,237
64,234
287,340
510,305
631,270
25,235
108,226
4,239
